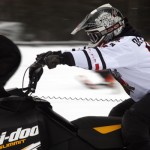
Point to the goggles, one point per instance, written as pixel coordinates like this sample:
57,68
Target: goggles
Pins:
95,36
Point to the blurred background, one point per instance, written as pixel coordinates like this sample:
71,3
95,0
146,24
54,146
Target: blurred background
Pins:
47,20
47,24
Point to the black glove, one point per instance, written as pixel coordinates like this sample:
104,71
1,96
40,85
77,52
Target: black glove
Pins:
44,58
52,61
40,57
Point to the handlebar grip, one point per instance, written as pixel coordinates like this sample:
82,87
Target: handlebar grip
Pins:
35,73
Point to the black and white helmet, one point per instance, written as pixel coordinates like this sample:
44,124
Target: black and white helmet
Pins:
102,25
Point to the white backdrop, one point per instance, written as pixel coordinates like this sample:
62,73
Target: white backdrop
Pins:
62,82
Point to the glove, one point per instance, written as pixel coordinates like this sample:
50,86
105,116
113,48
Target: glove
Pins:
42,58
52,61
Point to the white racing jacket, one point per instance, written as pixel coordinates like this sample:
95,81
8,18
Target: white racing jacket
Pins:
128,58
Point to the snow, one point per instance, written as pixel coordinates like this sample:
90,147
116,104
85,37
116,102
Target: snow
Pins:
60,87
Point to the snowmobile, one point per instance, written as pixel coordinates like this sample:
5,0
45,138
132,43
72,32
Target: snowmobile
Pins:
30,123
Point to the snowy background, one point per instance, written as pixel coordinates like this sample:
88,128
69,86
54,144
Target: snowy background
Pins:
67,95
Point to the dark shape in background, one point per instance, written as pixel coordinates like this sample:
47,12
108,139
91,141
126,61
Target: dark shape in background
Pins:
49,20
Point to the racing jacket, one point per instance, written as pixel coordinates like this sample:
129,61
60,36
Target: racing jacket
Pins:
128,58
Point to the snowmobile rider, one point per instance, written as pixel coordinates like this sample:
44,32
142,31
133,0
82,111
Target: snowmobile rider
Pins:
116,46
10,59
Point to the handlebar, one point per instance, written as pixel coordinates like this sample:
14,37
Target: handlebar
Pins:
35,73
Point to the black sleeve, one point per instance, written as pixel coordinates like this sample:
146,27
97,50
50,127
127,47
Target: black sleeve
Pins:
67,59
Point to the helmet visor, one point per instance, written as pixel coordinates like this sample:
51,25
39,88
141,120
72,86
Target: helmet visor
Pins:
84,23
81,25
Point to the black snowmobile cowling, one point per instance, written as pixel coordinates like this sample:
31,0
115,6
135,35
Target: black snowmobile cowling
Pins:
30,123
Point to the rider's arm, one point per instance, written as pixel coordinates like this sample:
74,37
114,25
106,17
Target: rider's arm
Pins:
113,55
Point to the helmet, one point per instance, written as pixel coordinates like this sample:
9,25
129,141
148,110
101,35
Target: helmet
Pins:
102,25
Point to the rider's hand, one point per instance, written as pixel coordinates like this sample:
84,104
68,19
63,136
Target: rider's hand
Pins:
40,57
52,61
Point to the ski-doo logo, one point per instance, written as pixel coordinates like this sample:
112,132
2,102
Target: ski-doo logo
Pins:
19,134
